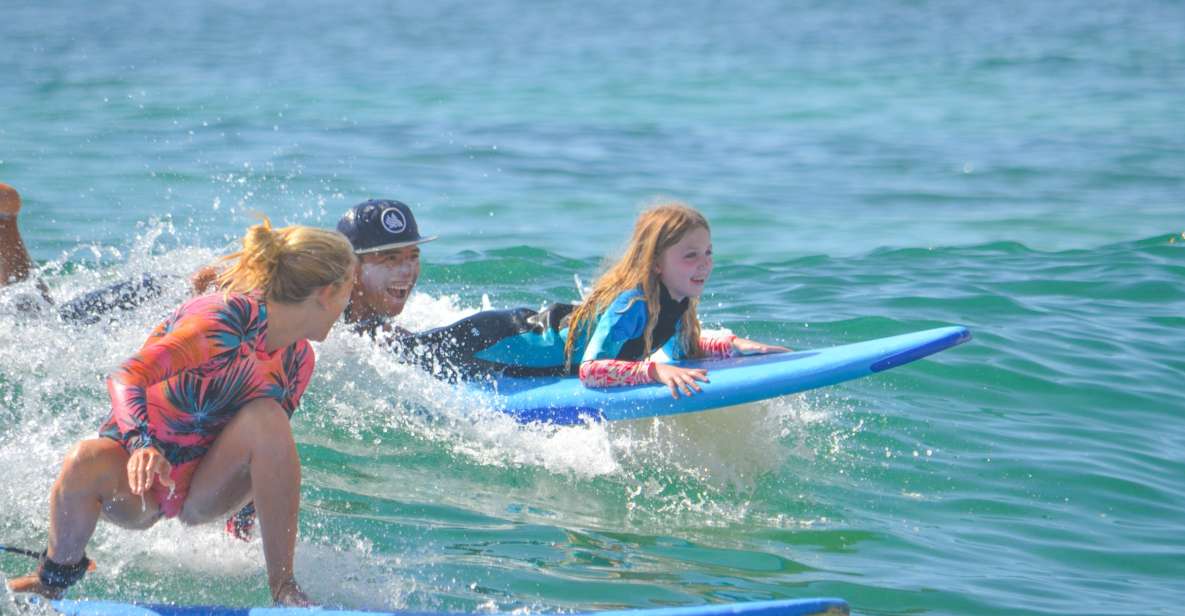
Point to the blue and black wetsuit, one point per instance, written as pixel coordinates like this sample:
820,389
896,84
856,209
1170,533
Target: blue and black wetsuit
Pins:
620,332
516,342
525,342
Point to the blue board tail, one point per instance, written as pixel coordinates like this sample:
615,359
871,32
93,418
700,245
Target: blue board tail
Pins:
786,607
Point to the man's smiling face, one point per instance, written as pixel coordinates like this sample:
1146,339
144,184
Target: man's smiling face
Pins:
384,281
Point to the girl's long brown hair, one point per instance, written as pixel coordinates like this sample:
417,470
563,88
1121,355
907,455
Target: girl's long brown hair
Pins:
657,228
287,264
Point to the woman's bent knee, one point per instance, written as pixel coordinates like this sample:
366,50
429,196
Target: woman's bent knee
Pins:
263,414
260,424
97,462
97,469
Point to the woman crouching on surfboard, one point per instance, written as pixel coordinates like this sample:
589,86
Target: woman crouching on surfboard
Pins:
647,300
199,418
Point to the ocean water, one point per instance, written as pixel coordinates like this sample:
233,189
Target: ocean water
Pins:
869,169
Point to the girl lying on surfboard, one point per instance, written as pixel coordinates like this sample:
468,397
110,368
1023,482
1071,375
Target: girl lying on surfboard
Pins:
646,301
199,417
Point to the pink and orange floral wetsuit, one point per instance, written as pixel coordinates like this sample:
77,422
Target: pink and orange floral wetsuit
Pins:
194,373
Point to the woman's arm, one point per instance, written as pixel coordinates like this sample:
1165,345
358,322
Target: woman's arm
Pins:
185,342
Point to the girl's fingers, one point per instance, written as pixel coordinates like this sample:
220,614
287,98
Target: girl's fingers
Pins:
684,379
690,387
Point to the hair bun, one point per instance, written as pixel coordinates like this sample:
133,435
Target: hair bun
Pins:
289,263
263,247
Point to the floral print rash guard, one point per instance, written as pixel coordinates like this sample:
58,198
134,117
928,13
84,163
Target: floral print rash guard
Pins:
193,374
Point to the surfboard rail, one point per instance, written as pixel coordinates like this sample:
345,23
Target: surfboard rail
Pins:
825,606
733,381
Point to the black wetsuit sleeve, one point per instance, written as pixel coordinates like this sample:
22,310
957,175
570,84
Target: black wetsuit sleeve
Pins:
128,294
450,351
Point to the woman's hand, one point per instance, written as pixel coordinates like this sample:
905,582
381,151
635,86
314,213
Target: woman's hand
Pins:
147,466
678,378
744,346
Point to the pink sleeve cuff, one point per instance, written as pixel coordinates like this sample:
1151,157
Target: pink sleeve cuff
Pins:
615,373
717,346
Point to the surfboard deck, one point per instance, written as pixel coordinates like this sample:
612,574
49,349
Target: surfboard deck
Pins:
786,607
733,381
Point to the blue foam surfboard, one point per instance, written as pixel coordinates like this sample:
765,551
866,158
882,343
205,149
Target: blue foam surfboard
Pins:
788,607
736,380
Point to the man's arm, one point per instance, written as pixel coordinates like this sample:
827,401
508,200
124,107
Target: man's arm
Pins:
14,258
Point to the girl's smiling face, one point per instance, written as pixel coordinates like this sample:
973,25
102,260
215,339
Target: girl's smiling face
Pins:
684,267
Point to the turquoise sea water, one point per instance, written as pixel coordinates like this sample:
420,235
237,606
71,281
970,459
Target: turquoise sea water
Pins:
869,169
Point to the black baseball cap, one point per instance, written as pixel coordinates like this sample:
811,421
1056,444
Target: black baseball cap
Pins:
380,224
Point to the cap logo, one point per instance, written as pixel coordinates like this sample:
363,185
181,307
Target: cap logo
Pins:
393,220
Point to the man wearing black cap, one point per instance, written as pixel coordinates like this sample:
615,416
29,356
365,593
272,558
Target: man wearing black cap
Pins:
386,239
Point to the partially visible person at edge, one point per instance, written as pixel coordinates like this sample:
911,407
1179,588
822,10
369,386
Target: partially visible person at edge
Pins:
16,266
14,258
200,415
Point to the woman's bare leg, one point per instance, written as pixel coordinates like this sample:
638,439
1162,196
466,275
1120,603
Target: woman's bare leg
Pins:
93,483
255,458
255,449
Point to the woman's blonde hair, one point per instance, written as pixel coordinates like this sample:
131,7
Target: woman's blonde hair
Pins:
658,227
287,264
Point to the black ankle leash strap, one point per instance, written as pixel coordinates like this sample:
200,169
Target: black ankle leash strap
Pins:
54,575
